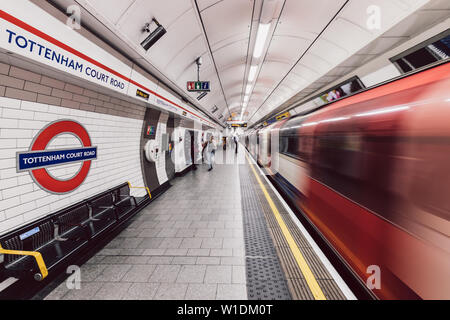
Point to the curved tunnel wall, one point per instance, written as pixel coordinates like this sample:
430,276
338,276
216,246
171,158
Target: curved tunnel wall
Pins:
30,101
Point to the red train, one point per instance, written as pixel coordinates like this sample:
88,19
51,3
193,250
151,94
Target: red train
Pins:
372,173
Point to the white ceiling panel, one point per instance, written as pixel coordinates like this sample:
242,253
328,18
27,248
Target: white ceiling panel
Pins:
168,47
382,45
226,20
279,45
306,19
204,4
416,23
310,42
166,12
345,36
330,50
183,61
113,12
232,54
358,60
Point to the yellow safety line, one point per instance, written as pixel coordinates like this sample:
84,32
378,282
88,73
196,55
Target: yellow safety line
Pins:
35,254
146,188
301,262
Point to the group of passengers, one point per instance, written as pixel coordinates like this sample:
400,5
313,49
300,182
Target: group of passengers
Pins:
210,147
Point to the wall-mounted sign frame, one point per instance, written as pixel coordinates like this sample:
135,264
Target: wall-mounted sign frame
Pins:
142,94
39,158
198,86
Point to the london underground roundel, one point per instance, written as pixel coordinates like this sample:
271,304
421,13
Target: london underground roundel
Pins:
38,158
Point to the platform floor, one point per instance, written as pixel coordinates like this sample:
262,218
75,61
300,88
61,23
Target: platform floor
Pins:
210,236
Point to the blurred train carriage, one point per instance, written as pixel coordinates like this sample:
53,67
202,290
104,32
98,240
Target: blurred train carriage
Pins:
371,172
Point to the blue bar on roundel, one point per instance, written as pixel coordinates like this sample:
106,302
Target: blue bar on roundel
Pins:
40,159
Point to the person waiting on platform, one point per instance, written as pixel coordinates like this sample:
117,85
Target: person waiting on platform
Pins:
236,140
210,152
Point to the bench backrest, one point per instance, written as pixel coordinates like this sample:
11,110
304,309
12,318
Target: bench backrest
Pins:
105,200
45,235
29,239
38,233
121,192
13,243
72,217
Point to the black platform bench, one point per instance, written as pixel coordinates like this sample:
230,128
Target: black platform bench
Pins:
37,248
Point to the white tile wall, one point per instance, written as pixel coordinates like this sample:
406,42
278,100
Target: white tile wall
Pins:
117,139
161,162
178,153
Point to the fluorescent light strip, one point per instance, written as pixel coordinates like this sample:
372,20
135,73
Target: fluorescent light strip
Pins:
309,124
334,119
244,107
261,37
248,89
242,114
381,111
252,73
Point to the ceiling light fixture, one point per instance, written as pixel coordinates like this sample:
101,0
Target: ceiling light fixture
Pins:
244,107
248,89
261,37
252,73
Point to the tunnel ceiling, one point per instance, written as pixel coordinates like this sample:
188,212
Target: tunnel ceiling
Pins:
309,43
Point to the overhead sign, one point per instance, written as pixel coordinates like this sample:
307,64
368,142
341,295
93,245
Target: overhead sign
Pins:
239,125
277,118
38,158
198,86
283,116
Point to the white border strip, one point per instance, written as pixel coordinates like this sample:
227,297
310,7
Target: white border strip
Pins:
339,281
8,282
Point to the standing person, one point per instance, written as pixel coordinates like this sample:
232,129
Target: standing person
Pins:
211,150
236,140
204,144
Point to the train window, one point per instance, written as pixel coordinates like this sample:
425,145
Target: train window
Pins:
292,143
340,91
424,54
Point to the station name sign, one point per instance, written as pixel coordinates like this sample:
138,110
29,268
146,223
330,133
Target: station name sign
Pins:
57,58
43,159
198,86
39,158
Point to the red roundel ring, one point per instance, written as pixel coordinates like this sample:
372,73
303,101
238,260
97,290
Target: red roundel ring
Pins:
41,176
